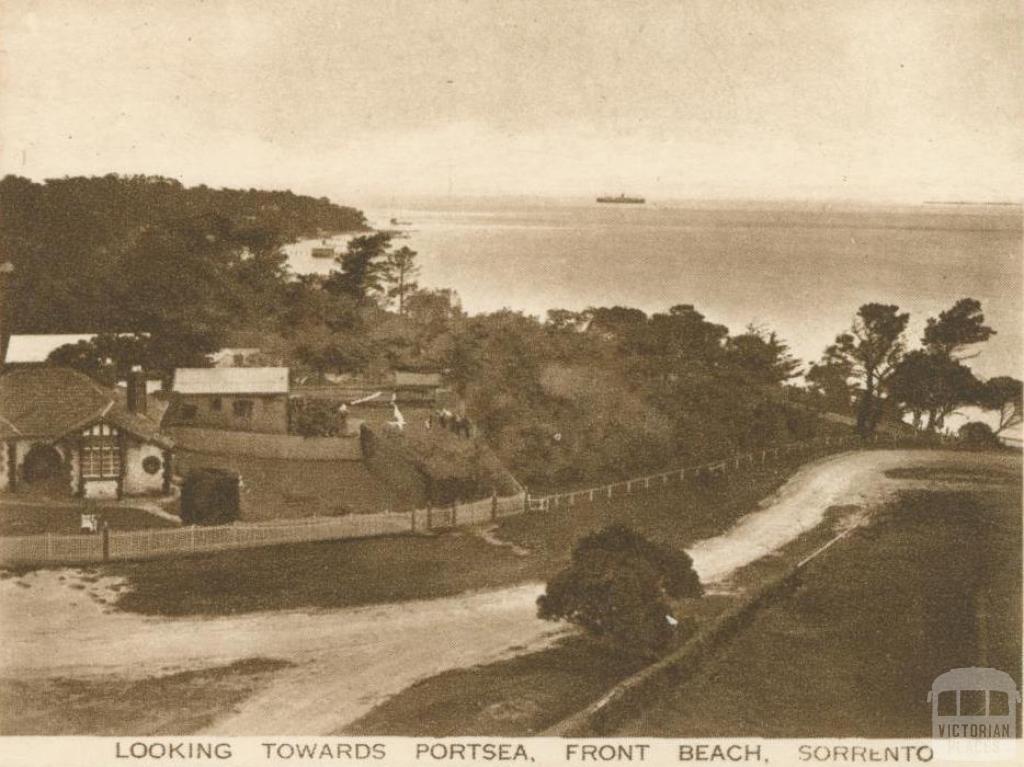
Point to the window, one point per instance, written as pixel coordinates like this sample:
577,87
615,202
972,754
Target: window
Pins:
972,703
151,464
216,404
998,703
242,407
101,455
947,703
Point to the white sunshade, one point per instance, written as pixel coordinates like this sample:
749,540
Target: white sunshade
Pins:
36,348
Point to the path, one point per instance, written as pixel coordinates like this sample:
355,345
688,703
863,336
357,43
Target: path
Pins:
348,660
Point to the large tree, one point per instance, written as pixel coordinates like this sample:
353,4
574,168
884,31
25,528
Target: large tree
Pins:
400,275
831,378
956,330
930,384
1005,395
364,268
873,348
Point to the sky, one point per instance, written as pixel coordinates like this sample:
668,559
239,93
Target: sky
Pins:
906,100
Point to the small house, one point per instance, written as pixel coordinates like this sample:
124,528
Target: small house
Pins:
65,434
233,398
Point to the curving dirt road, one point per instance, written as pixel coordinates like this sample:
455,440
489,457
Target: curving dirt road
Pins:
59,623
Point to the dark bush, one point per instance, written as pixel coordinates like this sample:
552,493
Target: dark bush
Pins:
210,497
617,588
315,418
978,435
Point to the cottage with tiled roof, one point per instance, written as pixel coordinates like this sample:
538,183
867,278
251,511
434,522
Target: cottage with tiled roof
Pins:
63,432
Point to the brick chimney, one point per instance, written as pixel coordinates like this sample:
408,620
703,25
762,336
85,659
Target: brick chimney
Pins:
136,390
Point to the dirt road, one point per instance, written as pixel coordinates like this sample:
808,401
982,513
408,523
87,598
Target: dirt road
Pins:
59,623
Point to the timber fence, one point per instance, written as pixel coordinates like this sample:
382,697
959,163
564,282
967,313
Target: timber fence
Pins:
725,465
121,545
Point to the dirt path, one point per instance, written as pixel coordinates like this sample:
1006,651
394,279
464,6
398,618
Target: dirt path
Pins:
847,479
59,623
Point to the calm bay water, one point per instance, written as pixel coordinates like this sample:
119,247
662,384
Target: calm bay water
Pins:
799,270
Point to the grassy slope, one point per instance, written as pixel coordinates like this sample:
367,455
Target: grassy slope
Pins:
166,705
348,573
278,489
854,650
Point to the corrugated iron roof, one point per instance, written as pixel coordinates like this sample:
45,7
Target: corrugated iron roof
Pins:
231,381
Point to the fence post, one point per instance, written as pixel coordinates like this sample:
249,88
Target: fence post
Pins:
106,541
48,547
609,491
494,505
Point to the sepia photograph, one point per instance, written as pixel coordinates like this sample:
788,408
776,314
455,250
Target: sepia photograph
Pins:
475,381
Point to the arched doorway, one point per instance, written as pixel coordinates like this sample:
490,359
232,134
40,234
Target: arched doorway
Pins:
43,471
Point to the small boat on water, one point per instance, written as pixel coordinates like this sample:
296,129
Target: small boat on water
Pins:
396,222
622,200
323,252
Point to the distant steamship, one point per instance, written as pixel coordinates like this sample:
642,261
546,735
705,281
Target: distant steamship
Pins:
623,200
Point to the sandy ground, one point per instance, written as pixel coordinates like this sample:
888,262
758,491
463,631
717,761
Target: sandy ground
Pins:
60,623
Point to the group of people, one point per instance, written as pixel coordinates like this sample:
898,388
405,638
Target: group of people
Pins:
445,419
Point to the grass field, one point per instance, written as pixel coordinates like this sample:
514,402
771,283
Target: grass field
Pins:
31,519
934,584
280,489
164,705
360,572
533,692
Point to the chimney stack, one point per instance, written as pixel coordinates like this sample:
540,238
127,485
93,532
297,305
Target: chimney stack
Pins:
136,390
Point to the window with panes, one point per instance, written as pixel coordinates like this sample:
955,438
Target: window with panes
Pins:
101,452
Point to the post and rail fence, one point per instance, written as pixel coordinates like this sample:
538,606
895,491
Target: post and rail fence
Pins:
124,545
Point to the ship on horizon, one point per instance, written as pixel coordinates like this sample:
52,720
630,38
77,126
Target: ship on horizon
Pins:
622,199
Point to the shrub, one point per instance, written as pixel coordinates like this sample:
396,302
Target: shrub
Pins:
617,587
978,435
210,497
315,418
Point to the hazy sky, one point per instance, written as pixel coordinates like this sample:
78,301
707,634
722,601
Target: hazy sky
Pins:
903,99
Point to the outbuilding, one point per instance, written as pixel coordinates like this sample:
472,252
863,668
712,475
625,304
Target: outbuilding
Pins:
234,398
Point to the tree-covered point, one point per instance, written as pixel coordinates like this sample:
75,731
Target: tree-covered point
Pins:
80,246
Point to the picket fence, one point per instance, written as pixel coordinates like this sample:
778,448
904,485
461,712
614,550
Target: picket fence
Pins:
627,487
121,545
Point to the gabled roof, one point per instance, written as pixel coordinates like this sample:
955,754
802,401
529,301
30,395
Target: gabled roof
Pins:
25,349
231,381
49,402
